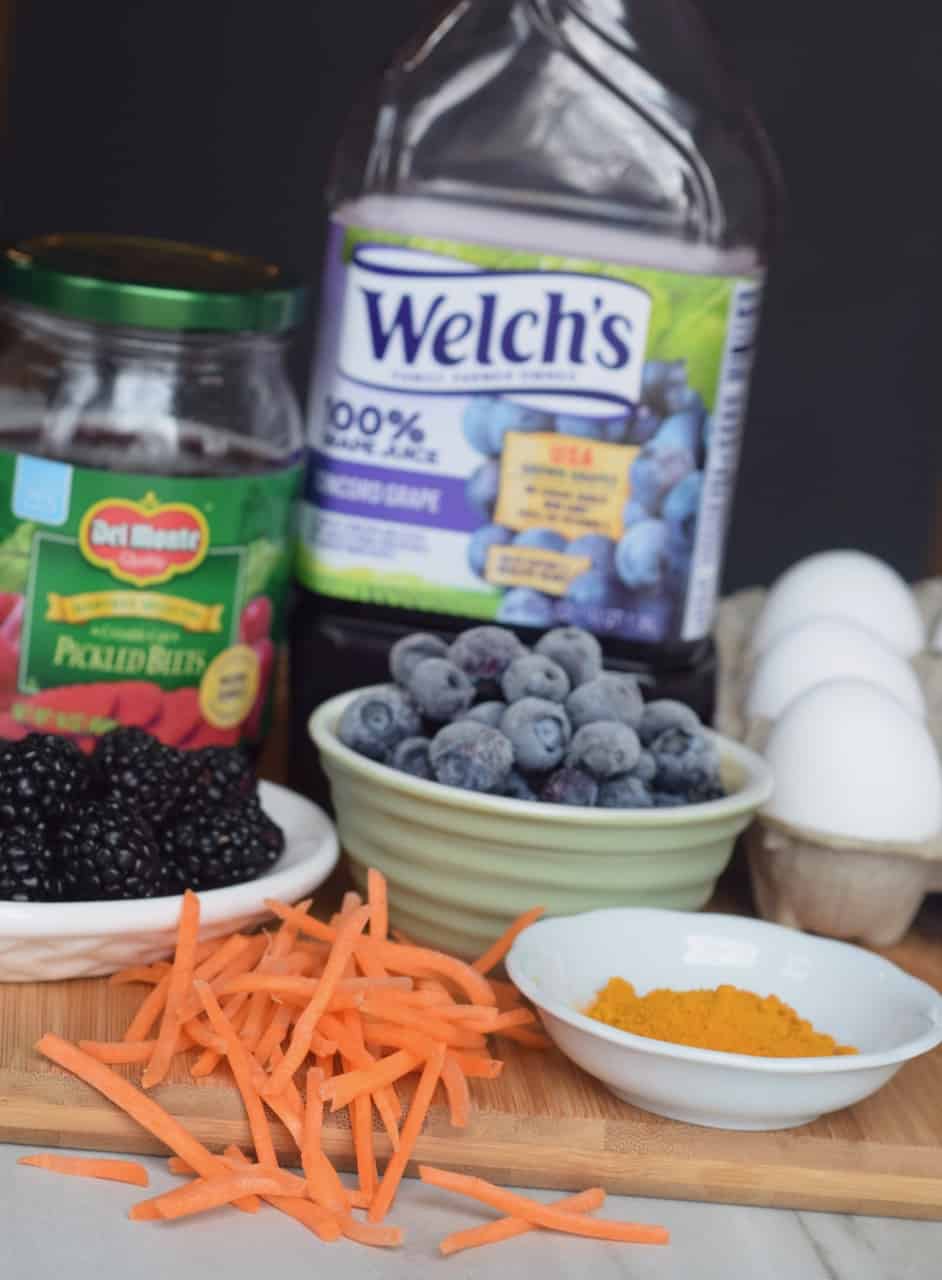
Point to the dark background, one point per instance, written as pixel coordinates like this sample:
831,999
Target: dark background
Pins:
214,121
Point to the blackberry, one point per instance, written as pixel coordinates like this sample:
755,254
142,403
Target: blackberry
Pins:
29,869
220,847
107,851
42,777
141,772
217,778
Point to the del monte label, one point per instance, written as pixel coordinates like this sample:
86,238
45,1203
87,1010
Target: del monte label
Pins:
144,543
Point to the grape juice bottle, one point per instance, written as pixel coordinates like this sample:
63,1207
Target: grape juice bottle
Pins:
540,298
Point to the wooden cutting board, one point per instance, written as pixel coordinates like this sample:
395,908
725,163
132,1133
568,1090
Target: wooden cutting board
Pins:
543,1123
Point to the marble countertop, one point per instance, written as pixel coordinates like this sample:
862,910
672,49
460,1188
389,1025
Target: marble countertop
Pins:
55,1226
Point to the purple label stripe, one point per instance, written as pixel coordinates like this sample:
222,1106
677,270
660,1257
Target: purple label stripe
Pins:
380,493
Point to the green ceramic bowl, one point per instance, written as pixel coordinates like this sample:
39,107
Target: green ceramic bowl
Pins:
461,866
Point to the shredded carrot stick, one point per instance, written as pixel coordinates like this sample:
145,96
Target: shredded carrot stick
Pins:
128,1171
417,961
310,1215
242,1068
119,1052
368,1233
421,1100
287,1106
524,1036
361,1115
507,1228
348,933
291,985
476,1067
181,975
542,1215
323,1184
389,1035
148,1012
214,1046
341,1090
413,960
495,953
248,957
457,1092
353,1049
148,1114
511,1018
350,902
274,1034
201,1195
436,1028
149,973
377,896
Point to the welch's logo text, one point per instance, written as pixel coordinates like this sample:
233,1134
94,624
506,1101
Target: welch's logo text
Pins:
415,321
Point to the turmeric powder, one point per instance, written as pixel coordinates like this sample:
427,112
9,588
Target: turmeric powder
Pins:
726,1018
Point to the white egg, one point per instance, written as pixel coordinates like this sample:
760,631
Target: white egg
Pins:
849,761
826,649
843,584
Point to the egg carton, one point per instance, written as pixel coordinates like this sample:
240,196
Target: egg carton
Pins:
865,891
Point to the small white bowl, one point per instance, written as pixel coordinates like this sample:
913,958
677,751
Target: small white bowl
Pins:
853,995
46,941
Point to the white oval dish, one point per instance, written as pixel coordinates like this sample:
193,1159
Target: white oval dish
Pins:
47,941
852,994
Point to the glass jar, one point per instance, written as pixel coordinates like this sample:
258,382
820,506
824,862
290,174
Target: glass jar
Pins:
150,445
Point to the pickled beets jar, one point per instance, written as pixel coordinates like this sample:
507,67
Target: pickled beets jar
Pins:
150,445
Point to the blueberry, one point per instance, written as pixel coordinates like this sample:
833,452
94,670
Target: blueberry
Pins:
524,607
646,768
577,652
407,653
517,787
679,431
539,731
506,416
634,512
412,756
541,539
440,689
592,588
610,696
476,423
682,506
667,800
483,488
568,424
484,654
685,761
641,555
377,720
628,792
605,749
643,425
666,713
670,459
472,756
684,400
489,713
570,786
535,676
645,484
661,381
481,541
597,548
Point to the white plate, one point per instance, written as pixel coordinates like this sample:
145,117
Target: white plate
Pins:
852,994
44,941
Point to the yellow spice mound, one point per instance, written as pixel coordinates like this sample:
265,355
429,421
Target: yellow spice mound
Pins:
725,1018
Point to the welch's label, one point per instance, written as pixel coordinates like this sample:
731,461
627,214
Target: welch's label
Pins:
522,437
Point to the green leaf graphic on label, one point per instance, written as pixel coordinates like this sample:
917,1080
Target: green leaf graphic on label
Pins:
14,558
264,561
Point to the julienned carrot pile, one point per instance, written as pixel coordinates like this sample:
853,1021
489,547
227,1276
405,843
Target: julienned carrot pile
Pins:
316,1014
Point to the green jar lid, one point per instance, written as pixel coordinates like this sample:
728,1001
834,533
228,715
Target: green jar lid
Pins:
143,283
